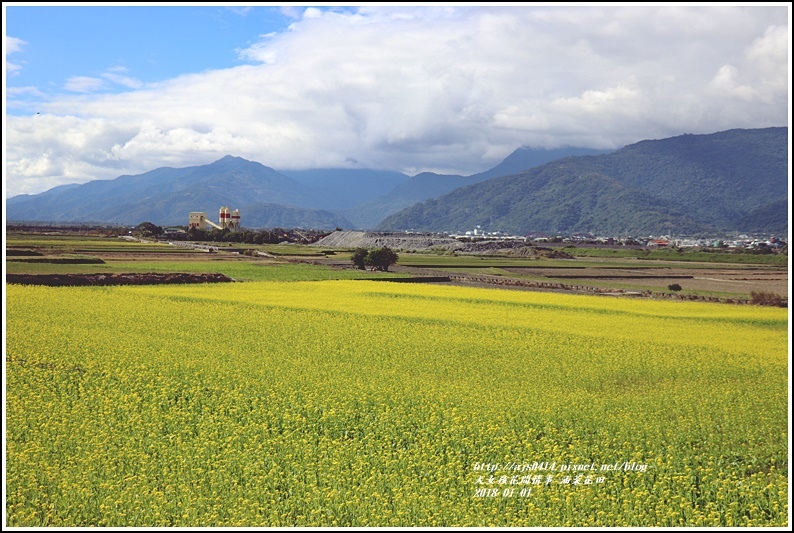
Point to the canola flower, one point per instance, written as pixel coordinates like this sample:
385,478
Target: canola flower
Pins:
358,403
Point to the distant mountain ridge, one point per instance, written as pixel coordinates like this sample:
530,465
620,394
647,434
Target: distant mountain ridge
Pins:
684,184
319,198
166,195
344,188
430,185
265,215
732,180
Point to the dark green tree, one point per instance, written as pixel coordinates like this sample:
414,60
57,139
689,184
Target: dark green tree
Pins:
359,258
381,259
195,234
147,229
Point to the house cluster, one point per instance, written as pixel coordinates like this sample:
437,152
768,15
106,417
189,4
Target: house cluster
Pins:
733,242
743,242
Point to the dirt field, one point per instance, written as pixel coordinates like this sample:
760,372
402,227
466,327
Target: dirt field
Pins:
724,282
740,281
64,280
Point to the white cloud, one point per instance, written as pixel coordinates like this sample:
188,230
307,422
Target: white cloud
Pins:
118,76
49,150
765,59
761,72
726,83
84,84
28,90
12,45
12,68
240,10
292,12
602,104
88,84
312,13
436,88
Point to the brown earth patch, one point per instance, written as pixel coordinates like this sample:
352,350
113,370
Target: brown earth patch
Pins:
737,281
151,278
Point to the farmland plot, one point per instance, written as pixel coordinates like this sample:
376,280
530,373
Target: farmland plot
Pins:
367,403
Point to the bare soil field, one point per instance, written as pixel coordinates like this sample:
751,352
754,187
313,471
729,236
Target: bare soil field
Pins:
724,282
741,281
63,280
199,256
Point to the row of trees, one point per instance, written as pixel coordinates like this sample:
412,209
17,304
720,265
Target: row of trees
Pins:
248,236
377,259
273,236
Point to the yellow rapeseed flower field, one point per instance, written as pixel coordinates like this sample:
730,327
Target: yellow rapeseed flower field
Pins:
357,403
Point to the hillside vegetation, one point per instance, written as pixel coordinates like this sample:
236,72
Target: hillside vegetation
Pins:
317,198
686,184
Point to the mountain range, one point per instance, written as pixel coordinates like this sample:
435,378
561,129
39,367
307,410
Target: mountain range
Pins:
732,180
429,185
317,198
735,180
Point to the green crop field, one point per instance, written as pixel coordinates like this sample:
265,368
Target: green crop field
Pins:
244,270
71,242
354,403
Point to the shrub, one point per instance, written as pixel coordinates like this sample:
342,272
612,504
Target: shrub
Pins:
674,287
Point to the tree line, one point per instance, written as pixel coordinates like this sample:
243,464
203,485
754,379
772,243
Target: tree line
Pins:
264,236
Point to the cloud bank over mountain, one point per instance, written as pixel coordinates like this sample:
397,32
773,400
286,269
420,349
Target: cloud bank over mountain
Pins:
441,89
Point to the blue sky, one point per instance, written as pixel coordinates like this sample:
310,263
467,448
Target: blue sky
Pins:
97,91
139,44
